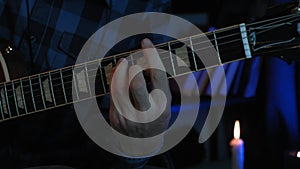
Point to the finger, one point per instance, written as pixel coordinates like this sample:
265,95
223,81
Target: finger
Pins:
113,70
120,77
119,74
138,88
158,77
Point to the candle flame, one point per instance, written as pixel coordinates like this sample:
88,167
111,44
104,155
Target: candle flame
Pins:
298,154
236,131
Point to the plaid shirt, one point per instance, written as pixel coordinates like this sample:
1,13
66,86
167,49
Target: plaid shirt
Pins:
53,37
58,29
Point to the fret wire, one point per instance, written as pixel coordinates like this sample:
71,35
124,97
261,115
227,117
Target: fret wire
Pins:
131,57
198,43
3,100
14,93
52,90
101,75
180,74
101,71
193,45
115,60
207,47
63,86
30,84
218,31
31,88
23,96
88,80
171,58
64,83
222,37
7,101
197,49
217,48
107,58
223,30
240,45
42,91
193,53
176,41
238,39
122,55
75,85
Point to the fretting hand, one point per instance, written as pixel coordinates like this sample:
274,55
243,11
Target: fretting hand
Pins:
149,114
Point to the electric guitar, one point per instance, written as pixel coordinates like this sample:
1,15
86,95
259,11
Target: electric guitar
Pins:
275,36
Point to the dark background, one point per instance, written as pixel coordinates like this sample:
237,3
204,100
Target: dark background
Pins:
216,151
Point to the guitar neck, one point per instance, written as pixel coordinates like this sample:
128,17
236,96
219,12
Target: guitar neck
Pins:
76,83
54,88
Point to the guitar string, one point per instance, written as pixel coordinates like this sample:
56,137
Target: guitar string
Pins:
61,84
160,53
121,55
103,73
45,74
19,99
49,107
131,60
176,41
222,30
272,19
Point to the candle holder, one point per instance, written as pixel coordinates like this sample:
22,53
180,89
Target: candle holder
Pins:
291,161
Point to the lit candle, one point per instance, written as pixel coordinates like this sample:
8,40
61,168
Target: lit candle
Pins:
292,159
237,148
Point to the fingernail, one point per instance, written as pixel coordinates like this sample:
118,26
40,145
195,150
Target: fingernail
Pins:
123,60
147,43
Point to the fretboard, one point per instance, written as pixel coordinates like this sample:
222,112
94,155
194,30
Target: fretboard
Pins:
71,84
54,88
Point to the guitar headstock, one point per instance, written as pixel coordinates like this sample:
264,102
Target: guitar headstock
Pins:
277,34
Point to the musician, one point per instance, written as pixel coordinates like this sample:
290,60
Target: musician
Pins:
52,39
49,35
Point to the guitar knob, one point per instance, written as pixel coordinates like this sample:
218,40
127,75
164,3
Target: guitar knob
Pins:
8,50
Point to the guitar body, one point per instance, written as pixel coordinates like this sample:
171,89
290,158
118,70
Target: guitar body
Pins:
12,65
